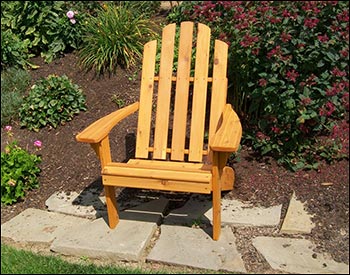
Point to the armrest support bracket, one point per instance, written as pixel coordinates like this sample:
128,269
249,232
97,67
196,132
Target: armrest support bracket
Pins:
228,137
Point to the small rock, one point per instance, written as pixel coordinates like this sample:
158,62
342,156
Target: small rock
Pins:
327,183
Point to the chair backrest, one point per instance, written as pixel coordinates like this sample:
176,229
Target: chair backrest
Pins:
183,115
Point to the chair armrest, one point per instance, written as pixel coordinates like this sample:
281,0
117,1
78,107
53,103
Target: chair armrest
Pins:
228,137
98,130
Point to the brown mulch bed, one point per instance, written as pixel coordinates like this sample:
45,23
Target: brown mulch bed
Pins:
71,166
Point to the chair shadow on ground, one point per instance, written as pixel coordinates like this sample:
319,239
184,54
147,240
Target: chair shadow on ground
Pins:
161,207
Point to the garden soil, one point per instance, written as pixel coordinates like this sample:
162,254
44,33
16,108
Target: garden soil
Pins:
68,165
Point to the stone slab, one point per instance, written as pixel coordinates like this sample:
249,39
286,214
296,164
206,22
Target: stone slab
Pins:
151,211
234,212
85,204
39,226
297,256
297,220
194,247
88,204
96,240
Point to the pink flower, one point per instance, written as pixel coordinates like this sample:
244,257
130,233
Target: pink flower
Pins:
337,88
338,73
38,144
306,101
304,128
70,14
327,109
262,82
275,20
344,53
345,101
274,52
256,51
8,128
285,37
323,38
73,21
292,75
262,136
248,40
311,22
276,130
285,13
344,16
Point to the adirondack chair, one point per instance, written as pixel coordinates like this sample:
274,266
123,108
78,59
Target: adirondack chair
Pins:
166,162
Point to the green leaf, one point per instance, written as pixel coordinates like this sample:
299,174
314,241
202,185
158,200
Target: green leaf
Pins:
290,103
320,64
30,30
53,102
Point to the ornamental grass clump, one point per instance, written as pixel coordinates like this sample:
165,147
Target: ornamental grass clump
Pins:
19,170
288,71
52,101
114,37
14,84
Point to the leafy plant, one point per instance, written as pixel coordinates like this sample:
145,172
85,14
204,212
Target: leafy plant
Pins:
182,12
84,7
44,26
115,37
51,101
19,171
14,51
288,70
145,8
117,100
14,83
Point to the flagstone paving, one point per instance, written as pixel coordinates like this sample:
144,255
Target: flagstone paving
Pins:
297,220
234,212
76,225
296,256
193,247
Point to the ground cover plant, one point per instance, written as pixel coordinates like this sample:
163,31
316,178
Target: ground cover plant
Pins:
19,170
51,101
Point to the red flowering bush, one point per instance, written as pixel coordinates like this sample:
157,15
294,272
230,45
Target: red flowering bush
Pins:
289,71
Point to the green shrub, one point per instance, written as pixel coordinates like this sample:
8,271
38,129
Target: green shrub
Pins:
44,24
182,12
87,7
145,8
288,70
14,51
14,83
51,101
19,171
115,37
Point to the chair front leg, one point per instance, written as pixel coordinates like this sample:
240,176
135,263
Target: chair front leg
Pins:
113,217
216,197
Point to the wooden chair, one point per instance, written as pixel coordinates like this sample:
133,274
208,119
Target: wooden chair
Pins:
166,162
